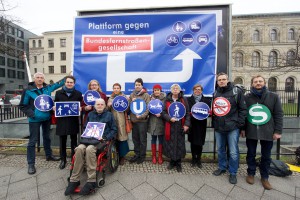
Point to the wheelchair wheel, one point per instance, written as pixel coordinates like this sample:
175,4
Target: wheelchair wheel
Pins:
101,183
113,157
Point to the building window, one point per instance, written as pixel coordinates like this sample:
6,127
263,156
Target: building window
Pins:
21,75
2,37
291,34
238,80
21,87
11,30
290,59
273,35
63,69
63,43
34,59
11,40
11,62
238,59
11,73
50,43
33,44
239,36
11,52
50,56
63,56
51,69
2,72
255,59
40,43
256,36
273,57
20,44
272,84
20,34
21,64
35,70
2,60
289,84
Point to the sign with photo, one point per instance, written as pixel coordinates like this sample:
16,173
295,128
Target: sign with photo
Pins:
94,130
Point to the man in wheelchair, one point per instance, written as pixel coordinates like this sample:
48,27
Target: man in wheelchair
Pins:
85,153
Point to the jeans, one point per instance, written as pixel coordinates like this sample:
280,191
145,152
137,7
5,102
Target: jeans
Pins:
34,131
266,147
232,138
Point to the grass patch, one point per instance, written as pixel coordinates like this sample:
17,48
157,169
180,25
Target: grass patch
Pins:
290,108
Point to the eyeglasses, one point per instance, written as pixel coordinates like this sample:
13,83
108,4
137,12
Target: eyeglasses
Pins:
224,79
198,89
94,84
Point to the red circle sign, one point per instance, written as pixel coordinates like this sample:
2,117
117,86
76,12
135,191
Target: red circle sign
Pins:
221,106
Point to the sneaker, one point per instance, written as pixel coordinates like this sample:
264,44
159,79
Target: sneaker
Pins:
266,184
218,172
232,179
31,169
250,179
71,188
134,159
88,188
179,168
171,165
140,160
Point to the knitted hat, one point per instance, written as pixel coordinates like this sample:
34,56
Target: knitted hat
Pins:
157,86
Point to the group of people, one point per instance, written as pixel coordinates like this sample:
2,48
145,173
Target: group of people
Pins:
168,130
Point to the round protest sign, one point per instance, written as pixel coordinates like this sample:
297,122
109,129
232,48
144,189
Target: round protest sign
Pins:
120,103
258,114
177,110
221,106
155,106
90,97
43,103
138,107
200,111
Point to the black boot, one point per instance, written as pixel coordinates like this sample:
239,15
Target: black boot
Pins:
63,163
194,161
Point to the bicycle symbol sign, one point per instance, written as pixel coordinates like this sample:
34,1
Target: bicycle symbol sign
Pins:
120,103
221,106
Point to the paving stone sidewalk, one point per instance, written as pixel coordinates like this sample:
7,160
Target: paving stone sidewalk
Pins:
144,181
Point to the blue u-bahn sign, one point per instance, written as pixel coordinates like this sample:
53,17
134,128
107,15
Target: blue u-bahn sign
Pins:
161,48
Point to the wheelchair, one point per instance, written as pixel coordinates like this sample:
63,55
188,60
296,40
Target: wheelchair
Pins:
107,159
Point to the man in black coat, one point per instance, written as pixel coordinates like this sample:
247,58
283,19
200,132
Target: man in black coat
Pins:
264,123
67,125
230,111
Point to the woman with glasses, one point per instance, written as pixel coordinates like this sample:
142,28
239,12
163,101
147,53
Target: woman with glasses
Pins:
197,132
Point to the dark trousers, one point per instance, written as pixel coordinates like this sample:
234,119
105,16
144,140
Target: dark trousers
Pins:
34,131
63,145
139,138
154,138
266,147
196,151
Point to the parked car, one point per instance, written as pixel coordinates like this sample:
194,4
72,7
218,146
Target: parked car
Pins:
1,102
15,100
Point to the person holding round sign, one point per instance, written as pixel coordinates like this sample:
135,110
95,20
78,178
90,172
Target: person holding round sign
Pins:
118,105
139,99
38,117
67,125
229,109
95,86
200,110
264,123
177,116
156,126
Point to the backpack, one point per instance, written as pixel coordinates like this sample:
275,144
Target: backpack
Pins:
234,92
279,168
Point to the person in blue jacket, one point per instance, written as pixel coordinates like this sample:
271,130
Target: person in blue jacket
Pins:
38,118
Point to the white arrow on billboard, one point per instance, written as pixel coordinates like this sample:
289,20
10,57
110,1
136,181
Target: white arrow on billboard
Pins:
116,70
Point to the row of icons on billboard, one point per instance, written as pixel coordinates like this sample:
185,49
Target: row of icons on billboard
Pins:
187,38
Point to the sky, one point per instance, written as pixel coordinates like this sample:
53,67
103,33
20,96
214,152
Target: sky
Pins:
40,16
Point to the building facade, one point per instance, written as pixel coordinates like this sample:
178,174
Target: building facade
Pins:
13,44
51,54
266,44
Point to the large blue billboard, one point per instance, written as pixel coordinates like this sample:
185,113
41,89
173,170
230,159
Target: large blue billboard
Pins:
160,48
